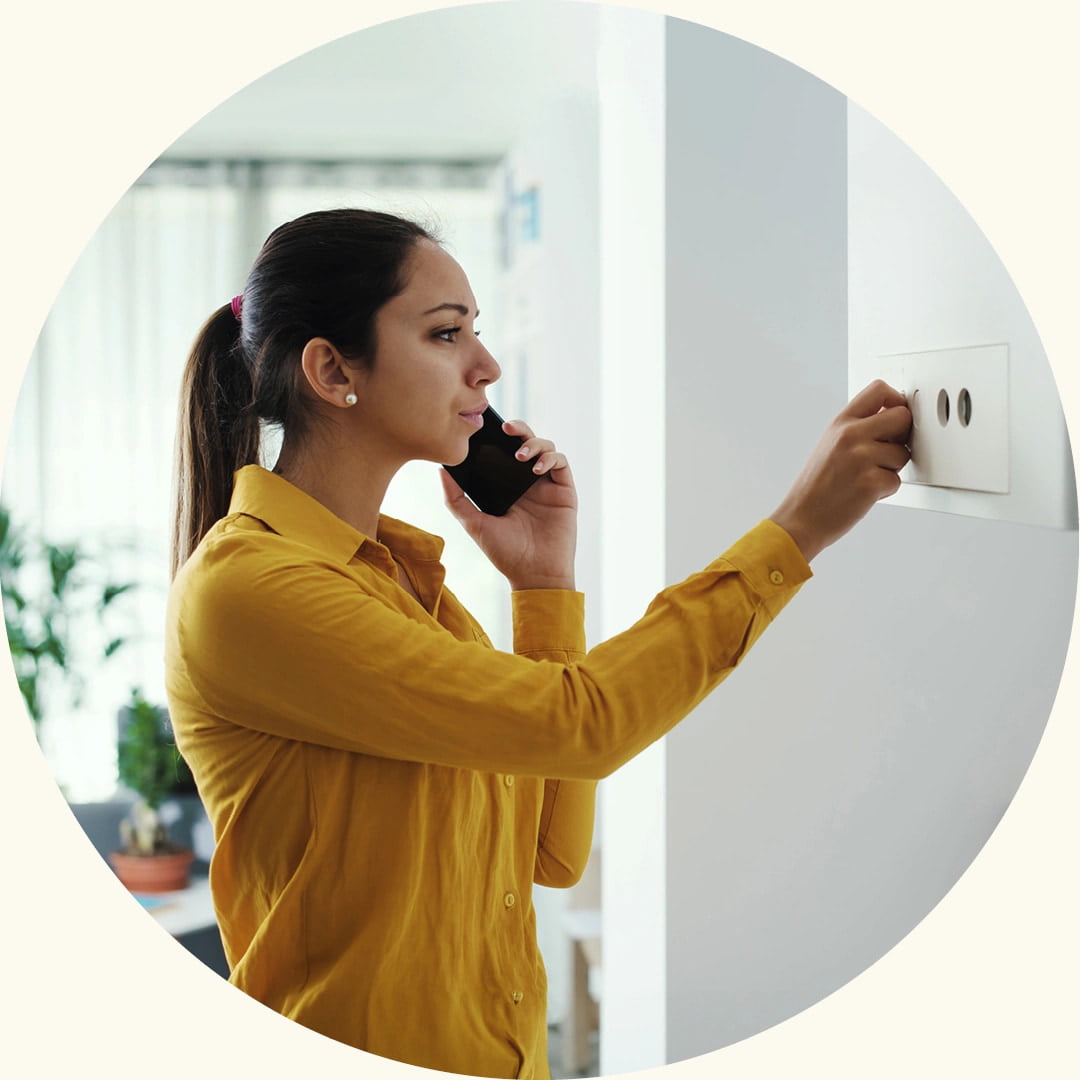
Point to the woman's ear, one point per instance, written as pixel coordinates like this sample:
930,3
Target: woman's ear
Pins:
326,371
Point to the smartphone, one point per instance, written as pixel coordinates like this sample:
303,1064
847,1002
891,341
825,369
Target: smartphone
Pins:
490,474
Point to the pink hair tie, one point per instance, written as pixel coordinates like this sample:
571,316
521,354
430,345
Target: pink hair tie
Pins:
236,304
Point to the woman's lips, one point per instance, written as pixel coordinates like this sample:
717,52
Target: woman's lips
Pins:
475,418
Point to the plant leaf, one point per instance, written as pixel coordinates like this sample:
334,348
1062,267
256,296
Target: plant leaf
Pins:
111,592
28,688
54,647
16,597
62,561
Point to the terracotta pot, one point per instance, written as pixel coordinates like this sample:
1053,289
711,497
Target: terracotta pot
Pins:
153,873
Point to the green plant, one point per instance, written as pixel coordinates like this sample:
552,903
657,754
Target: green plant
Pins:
151,766
49,592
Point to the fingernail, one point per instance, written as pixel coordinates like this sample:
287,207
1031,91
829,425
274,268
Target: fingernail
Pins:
538,467
523,452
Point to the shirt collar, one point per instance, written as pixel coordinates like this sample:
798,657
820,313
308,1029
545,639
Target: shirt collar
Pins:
290,512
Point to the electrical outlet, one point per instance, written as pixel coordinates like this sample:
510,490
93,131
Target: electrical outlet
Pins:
959,401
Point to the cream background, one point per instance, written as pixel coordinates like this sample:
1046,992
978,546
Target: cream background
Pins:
984,986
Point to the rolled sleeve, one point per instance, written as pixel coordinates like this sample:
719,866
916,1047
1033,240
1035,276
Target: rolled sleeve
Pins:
771,562
549,624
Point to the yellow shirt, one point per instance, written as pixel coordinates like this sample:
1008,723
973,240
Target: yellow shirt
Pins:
379,777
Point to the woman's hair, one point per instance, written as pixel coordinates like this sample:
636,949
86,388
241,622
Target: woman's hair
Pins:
326,275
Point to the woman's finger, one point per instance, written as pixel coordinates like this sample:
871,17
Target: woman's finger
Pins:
548,461
533,448
518,427
890,424
893,456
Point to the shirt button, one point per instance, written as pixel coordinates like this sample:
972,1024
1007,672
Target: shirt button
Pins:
776,577
508,781
517,995
509,899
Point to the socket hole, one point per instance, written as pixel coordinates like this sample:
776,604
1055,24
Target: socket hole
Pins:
943,407
963,408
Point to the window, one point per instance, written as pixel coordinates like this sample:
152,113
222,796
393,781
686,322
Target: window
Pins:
90,457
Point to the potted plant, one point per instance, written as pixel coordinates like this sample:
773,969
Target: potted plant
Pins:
150,766
50,591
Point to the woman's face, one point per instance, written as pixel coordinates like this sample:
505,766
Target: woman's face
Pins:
423,394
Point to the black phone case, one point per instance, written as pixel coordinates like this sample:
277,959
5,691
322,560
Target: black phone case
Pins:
490,475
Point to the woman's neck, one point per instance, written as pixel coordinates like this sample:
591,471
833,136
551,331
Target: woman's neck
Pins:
342,480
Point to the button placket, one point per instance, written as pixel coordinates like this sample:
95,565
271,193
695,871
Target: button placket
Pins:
509,900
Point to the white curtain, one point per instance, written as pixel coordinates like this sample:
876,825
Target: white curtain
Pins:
90,457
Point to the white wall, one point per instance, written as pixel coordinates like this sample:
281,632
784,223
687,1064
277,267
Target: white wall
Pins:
550,335
550,310
828,795
922,276
631,410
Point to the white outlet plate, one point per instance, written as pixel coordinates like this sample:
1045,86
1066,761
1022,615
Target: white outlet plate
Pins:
945,388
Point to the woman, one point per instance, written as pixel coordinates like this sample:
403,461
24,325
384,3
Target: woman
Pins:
384,786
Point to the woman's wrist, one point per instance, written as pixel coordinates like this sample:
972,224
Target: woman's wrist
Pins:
804,538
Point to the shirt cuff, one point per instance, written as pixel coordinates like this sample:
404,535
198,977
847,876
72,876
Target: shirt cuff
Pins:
771,562
549,624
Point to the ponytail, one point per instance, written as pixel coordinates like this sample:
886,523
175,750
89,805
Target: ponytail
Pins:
217,431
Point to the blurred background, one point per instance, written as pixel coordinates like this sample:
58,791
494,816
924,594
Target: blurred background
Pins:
683,248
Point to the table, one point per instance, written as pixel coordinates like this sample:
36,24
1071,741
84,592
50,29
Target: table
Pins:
182,912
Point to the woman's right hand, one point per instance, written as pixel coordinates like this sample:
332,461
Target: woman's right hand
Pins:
855,464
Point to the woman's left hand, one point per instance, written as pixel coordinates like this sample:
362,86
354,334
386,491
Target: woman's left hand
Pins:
533,544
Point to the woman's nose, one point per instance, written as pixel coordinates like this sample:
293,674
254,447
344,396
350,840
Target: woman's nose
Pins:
487,368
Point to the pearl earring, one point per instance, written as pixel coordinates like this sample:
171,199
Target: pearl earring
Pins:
350,399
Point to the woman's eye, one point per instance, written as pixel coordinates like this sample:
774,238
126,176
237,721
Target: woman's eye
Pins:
450,333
